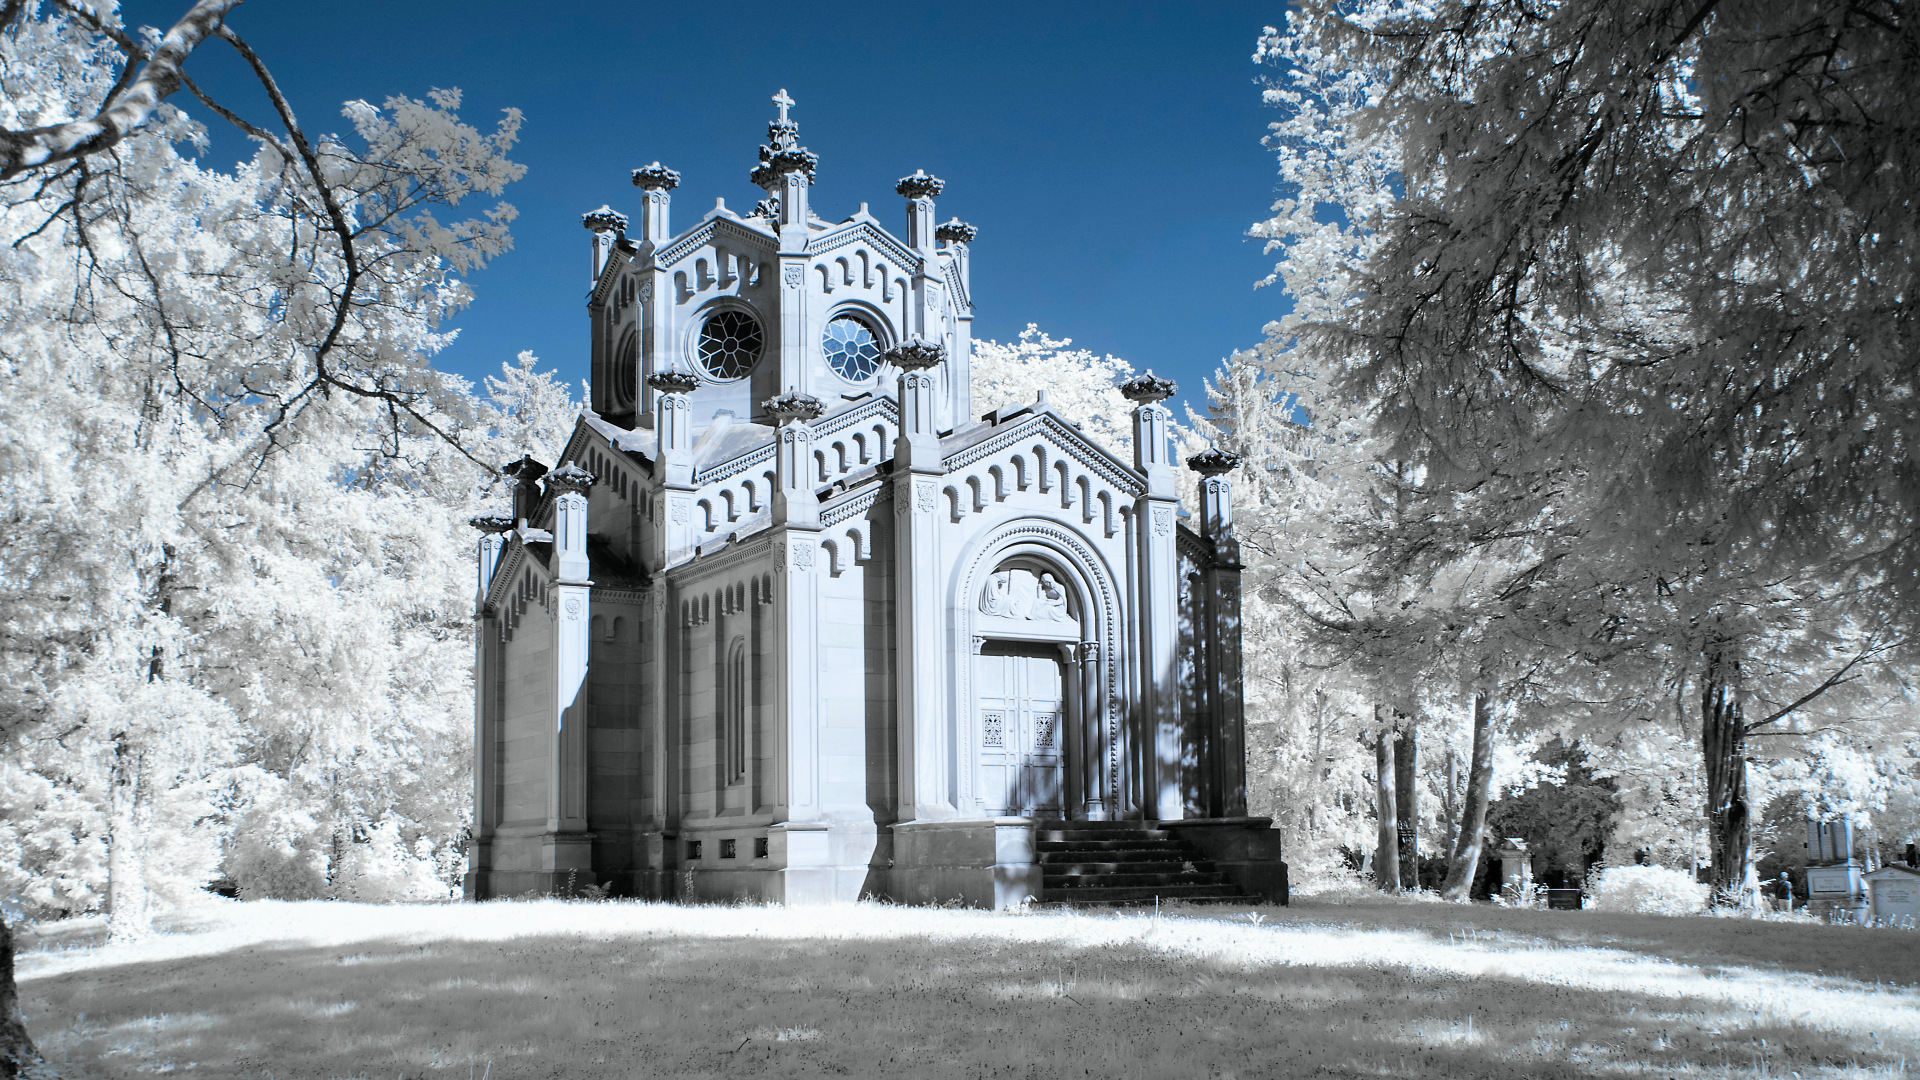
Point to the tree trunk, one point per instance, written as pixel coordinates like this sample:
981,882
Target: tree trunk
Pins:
1406,760
1386,851
1723,746
1473,816
17,1052
128,916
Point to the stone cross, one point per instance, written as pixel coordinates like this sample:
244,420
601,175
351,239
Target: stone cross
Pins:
781,99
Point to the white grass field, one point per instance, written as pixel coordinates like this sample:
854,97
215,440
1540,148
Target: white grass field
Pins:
553,989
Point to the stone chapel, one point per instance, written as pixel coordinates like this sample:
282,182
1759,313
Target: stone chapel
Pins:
789,622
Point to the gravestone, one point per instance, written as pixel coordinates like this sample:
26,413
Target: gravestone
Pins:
1516,871
1833,875
1893,893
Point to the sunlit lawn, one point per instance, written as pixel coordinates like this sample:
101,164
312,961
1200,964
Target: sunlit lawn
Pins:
553,989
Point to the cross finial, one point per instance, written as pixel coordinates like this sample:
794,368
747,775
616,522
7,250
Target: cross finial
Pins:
781,99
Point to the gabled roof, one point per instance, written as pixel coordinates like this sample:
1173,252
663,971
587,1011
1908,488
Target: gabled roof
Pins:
983,440
863,227
723,225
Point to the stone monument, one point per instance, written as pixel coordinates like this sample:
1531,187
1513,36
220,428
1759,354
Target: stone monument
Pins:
788,621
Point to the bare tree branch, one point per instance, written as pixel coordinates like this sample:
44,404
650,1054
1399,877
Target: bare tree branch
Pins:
124,111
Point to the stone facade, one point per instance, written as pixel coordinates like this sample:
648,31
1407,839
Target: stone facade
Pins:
788,623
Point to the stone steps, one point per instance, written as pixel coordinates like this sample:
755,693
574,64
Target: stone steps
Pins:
1114,863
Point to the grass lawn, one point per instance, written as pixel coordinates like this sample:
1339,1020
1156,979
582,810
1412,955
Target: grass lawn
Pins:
554,989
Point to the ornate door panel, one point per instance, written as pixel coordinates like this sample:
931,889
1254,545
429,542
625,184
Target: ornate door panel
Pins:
1022,720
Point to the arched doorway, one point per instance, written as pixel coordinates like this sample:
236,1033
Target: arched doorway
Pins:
1027,634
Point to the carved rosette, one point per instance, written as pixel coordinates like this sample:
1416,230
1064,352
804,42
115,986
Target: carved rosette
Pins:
920,185
671,381
569,479
955,231
1213,462
604,220
656,177
914,354
794,405
492,523
1147,388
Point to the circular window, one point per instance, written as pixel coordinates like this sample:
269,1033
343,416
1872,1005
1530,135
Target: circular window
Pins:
852,350
730,344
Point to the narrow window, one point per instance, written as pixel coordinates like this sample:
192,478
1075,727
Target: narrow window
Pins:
734,714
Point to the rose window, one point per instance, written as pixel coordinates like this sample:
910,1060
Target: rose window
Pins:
852,350
730,344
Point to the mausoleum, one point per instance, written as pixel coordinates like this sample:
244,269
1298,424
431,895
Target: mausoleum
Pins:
787,621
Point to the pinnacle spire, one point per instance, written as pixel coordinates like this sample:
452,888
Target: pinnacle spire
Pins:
783,153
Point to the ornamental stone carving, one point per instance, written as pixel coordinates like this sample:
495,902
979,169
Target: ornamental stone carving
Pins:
656,177
792,274
923,496
794,405
779,163
1147,388
802,555
673,381
525,471
569,479
1213,462
920,185
1162,520
914,354
955,231
1019,593
604,220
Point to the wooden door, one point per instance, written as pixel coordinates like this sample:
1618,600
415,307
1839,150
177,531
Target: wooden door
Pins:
1022,719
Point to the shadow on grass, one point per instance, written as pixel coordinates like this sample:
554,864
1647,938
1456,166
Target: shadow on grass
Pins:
655,1004
1883,956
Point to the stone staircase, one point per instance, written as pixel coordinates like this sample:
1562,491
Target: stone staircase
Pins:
1111,863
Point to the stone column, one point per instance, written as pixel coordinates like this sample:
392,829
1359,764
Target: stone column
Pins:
1158,600
657,182
924,746
786,173
1221,635
486,708
1093,742
796,528
955,236
607,226
525,474
569,843
673,425
923,319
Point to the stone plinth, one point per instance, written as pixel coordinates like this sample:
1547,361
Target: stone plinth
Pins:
988,863
1246,849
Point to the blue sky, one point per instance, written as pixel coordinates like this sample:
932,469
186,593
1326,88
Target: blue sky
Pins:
1108,153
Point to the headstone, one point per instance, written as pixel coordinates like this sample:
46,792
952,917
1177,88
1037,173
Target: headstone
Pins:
1833,874
1893,893
1829,841
1516,871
